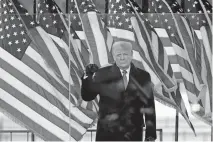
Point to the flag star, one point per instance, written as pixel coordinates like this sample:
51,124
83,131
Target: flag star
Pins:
195,2
5,12
12,18
41,11
54,22
85,10
127,19
53,8
11,10
13,26
32,23
79,23
4,4
160,6
15,34
119,24
83,3
39,4
130,27
44,18
172,34
117,17
7,27
2,37
22,33
10,3
117,1
124,13
156,21
47,5
0,29
10,42
5,20
112,5
208,11
121,7
188,10
20,25
193,16
16,42
203,21
199,11
136,8
8,35
24,40
47,26
169,27
19,50
26,13
115,11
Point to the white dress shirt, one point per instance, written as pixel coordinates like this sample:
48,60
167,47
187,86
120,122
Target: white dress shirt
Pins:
127,73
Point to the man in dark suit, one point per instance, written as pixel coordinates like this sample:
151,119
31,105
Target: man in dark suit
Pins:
126,97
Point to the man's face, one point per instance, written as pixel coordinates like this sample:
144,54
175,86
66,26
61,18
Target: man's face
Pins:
122,55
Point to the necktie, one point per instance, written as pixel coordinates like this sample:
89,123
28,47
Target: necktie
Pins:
125,78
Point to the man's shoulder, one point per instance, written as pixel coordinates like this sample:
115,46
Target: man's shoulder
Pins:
143,74
105,68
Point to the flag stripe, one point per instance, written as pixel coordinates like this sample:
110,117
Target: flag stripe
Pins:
167,81
95,37
36,62
48,112
10,111
38,119
43,83
39,42
35,91
52,49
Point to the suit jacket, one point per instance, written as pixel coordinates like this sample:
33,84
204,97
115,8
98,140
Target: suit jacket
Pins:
121,110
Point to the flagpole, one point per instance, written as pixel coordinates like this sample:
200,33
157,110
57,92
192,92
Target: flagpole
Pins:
67,7
69,68
34,10
87,42
206,14
176,125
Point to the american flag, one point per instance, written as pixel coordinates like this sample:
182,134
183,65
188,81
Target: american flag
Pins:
174,96
88,21
183,42
52,15
119,22
199,15
32,93
161,95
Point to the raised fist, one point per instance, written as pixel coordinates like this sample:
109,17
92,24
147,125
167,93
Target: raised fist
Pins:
91,68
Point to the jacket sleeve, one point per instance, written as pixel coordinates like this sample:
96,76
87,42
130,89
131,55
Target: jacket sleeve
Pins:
150,115
89,89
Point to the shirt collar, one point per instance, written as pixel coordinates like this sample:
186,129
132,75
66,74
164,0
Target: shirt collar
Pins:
127,70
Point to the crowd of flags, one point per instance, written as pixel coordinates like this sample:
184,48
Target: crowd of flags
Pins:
43,57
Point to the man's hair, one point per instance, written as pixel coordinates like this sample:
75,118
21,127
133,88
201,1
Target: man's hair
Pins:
121,43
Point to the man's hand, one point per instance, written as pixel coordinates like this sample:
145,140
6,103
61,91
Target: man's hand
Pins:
91,68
